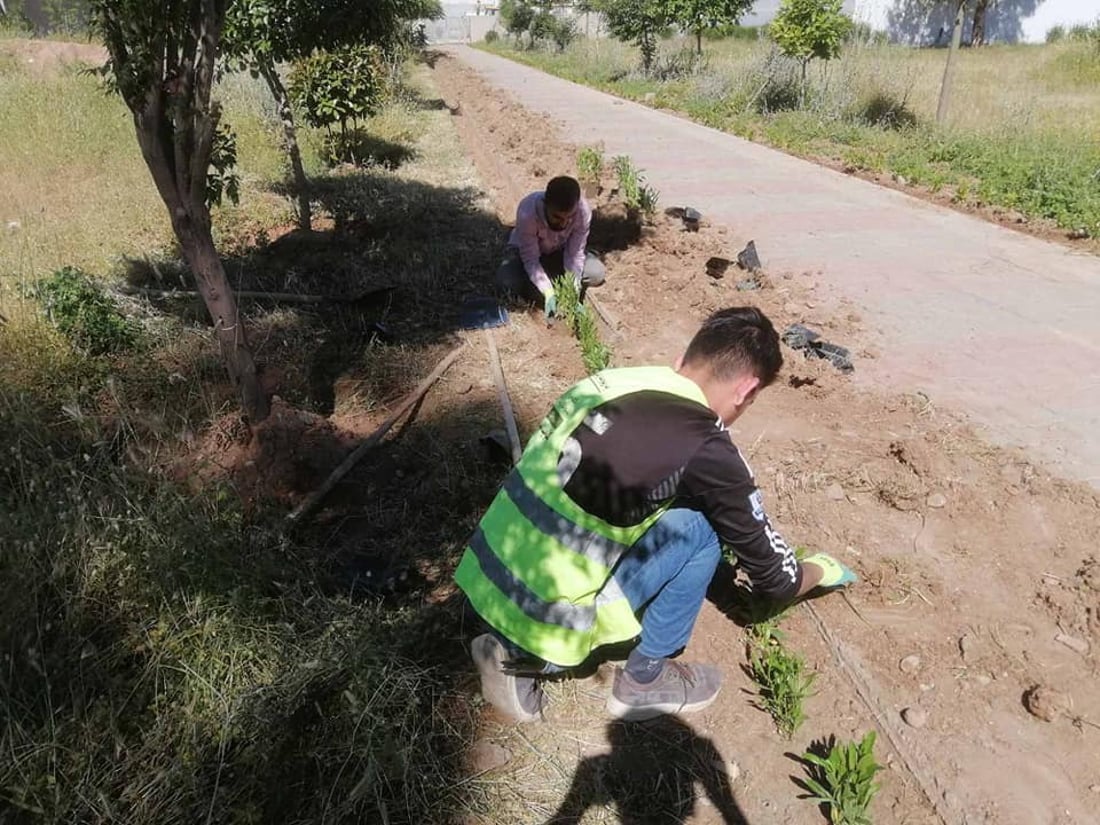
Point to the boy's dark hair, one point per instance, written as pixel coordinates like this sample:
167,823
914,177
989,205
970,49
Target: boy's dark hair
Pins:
563,193
737,339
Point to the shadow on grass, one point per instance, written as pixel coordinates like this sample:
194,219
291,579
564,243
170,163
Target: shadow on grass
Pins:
361,148
393,266
174,655
651,777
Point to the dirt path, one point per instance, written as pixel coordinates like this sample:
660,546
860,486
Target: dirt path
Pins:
971,558
984,319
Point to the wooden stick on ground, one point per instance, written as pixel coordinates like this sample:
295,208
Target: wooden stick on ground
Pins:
505,401
286,297
310,502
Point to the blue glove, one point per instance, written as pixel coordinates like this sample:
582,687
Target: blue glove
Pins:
551,307
835,573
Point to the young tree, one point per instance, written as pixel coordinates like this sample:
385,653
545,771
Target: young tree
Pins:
808,29
260,34
697,16
639,22
162,59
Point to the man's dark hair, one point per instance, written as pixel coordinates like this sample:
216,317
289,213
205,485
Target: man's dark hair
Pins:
734,340
563,193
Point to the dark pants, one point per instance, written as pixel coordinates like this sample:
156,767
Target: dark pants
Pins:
512,277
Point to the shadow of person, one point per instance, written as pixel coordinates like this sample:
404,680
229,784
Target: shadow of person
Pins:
651,776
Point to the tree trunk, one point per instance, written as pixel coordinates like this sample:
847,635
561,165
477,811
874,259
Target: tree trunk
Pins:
949,69
290,136
977,30
198,249
699,42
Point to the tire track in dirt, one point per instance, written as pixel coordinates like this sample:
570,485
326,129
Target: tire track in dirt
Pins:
846,472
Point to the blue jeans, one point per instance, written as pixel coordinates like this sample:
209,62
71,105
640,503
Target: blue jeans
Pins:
665,577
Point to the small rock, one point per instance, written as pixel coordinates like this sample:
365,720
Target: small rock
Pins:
910,664
1094,788
937,501
1046,703
835,492
486,756
1073,643
982,680
915,717
13,226
968,647
1079,234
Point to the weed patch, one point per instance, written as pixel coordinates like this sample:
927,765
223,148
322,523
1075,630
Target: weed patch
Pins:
84,313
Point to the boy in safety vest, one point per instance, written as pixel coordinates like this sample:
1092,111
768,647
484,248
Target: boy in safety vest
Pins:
610,528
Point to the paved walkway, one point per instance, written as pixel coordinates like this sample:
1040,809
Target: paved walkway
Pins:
983,319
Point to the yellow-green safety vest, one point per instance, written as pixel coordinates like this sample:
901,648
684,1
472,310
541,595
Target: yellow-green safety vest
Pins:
538,567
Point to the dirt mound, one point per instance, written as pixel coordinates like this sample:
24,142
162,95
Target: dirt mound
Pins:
282,459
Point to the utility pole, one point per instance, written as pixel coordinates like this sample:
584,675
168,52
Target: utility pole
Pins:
949,70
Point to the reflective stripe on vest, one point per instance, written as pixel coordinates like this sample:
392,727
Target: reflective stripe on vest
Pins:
538,568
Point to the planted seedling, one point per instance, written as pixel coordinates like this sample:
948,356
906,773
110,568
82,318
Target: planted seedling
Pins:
844,780
590,164
629,184
782,676
595,354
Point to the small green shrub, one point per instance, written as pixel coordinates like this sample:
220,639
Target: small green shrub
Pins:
84,313
339,87
1056,34
844,780
492,36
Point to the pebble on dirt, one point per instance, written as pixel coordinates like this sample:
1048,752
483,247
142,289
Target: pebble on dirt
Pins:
1046,703
915,717
937,501
835,492
910,664
969,647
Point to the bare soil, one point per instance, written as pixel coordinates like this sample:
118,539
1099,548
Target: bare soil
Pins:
970,558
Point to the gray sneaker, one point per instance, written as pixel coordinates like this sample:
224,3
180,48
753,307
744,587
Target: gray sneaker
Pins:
681,688
518,697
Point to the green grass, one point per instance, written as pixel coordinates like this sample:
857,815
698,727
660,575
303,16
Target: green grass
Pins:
782,676
1024,131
